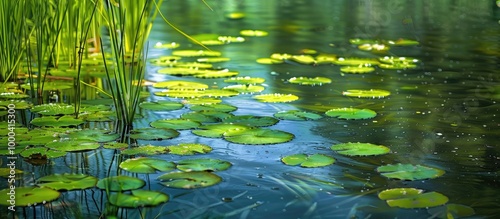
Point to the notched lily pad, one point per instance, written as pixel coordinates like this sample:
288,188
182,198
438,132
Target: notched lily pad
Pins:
297,115
203,164
189,149
304,160
52,121
189,180
120,183
138,198
217,130
412,198
161,105
153,133
257,136
276,98
73,145
409,171
146,165
360,149
145,150
67,181
177,124
28,196
249,120
351,113
310,81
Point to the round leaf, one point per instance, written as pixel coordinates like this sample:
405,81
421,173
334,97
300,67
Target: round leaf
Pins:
189,180
203,164
28,196
145,150
249,120
258,136
178,124
153,133
146,165
351,113
409,171
412,198
360,149
276,98
161,105
315,160
297,115
73,145
310,81
138,198
120,183
67,181
189,149
372,93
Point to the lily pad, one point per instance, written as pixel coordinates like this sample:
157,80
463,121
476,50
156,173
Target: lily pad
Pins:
194,53
245,88
98,135
412,198
357,69
297,115
52,121
453,210
145,150
372,93
161,105
224,73
269,61
220,93
245,80
315,160
203,164
179,85
214,107
37,152
153,133
52,109
409,171
351,113
356,61
217,130
310,81
67,181
115,145
249,120
138,198
202,101
182,93
303,59
257,136
253,33
120,183
7,171
189,180
360,149
146,165
206,116
17,104
73,145
276,98
189,149
213,59
28,196
177,124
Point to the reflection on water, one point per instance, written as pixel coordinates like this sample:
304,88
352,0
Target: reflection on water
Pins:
442,114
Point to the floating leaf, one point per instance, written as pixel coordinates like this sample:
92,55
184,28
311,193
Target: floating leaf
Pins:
372,93
249,120
310,81
257,136
7,171
194,53
359,41
245,88
181,93
375,47
172,45
391,60
453,210
189,180
245,80
52,109
269,61
409,171
97,135
161,105
73,145
202,101
213,59
412,198
357,69
351,113
51,121
253,33
224,73
115,145
404,42
235,15
17,104
178,85
37,152
220,93
397,66
138,198
189,149
276,98
326,58
315,160
214,107
153,133
297,115
303,59
120,183
356,61
360,149
231,39
145,150
207,116
177,124
67,181
203,164
146,165
28,196
217,130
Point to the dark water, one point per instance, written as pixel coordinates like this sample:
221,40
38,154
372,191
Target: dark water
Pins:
442,114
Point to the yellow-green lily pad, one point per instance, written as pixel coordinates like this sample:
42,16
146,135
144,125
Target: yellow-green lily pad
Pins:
36,152
52,121
153,133
297,115
138,198
351,113
357,69
253,33
245,80
360,149
28,196
145,150
177,124
162,105
52,109
409,171
257,136
276,98
304,160
217,130
146,165
310,81
67,181
194,53
180,85
189,149
203,164
73,145
372,93
189,180
412,198
245,88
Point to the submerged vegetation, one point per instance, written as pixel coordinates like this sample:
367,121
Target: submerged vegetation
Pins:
87,115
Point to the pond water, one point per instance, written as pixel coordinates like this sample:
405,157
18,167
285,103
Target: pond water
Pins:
442,114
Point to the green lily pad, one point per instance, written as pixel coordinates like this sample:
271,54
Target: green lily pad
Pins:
37,152
180,85
257,136
276,98
189,149
184,93
115,145
315,160
213,59
253,33
73,145
217,130
7,171
398,66
195,53
145,150
17,104
207,116
202,101
374,47
245,80
105,116
177,124
297,115
357,69
138,198
67,181
404,42
146,165
11,95
372,93
412,198
224,73
249,120
153,133
98,135
203,164
351,113
28,196
310,81
245,88
391,60
52,121
356,61
161,105
453,210
178,71
52,109
409,171
303,59
120,183
189,180
214,107
269,61
360,149
220,93
59,85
